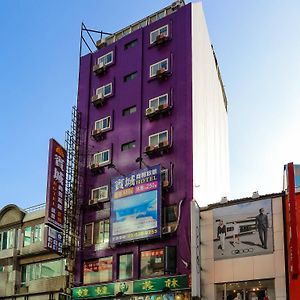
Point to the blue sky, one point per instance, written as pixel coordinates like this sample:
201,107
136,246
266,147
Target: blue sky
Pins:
258,48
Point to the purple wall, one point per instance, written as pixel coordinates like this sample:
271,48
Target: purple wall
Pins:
136,127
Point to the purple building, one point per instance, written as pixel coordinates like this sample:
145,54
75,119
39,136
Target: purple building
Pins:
153,124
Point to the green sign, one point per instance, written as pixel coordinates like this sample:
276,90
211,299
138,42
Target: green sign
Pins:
149,285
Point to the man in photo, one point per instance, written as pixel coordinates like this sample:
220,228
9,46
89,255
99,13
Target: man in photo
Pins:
236,233
261,221
221,235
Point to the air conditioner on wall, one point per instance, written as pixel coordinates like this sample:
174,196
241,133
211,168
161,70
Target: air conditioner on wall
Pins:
150,110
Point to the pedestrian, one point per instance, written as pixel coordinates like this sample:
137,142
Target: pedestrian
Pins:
261,221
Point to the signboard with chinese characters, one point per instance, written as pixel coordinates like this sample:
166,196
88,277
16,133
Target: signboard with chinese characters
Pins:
150,285
53,239
136,206
56,185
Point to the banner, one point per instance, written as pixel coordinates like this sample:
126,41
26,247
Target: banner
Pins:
136,206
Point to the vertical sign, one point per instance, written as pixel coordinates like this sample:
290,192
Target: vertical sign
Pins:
55,193
293,238
136,205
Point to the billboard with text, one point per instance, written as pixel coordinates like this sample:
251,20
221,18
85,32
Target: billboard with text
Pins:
136,205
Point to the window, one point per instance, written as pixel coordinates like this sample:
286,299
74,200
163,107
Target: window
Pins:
171,214
160,100
164,175
88,234
101,158
7,239
130,76
128,146
156,33
129,111
100,194
46,269
103,124
101,232
152,263
104,90
98,270
33,234
130,44
162,65
125,266
105,59
9,271
156,139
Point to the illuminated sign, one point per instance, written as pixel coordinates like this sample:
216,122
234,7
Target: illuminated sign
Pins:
56,185
136,205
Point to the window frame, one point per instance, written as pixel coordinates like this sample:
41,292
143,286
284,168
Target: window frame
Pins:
92,235
105,224
131,44
132,145
99,188
103,58
101,153
10,239
153,75
102,120
127,111
102,89
132,265
152,42
153,274
157,134
158,99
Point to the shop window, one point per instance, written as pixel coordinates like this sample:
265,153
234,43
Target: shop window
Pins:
158,34
129,110
158,139
128,146
33,234
48,269
130,76
98,270
101,233
99,194
125,266
131,44
159,68
152,263
88,234
105,59
7,239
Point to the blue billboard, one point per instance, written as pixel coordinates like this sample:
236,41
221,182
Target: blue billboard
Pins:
136,205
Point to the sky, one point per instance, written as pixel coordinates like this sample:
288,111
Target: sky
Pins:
258,49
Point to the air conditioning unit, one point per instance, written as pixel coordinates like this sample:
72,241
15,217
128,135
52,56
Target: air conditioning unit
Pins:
93,166
161,38
97,97
149,148
150,110
160,71
96,131
92,201
162,106
99,68
101,43
163,144
175,5
167,229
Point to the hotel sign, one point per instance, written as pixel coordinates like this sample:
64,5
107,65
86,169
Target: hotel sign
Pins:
136,206
56,185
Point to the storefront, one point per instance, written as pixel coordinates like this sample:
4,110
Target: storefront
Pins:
242,249
162,288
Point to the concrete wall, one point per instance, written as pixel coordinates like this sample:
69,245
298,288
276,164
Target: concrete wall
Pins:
245,268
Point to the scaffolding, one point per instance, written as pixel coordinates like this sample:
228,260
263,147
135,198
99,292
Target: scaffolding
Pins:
72,143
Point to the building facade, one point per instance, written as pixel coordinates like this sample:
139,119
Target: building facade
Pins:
27,269
152,110
243,249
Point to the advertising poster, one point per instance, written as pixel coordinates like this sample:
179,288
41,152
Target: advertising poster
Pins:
136,205
244,229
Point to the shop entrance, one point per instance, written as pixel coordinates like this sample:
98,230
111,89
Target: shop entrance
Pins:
246,290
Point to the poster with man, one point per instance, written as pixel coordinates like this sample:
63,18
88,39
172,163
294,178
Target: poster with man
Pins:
243,229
